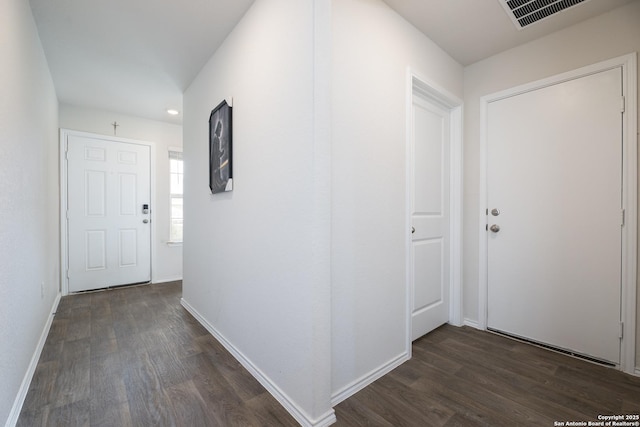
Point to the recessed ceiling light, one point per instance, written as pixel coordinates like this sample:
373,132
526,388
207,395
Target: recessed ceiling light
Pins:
173,112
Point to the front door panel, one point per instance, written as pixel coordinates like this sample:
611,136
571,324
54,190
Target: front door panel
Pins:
109,234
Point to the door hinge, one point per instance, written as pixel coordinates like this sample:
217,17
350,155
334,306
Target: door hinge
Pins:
623,218
68,273
621,329
622,105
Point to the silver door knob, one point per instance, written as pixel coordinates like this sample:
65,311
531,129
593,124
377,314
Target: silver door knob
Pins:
145,221
495,228
413,230
495,212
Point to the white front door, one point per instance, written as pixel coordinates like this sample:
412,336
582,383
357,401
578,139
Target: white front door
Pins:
429,216
109,233
554,177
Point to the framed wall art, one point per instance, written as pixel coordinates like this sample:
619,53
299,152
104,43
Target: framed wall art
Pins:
220,149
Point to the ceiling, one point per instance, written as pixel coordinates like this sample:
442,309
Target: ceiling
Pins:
471,30
138,57
131,56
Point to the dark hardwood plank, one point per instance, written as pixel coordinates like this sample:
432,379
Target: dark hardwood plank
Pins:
465,405
422,409
76,414
73,380
111,415
107,380
245,386
189,407
42,386
147,398
353,412
269,412
103,337
38,417
169,366
463,420
58,331
216,393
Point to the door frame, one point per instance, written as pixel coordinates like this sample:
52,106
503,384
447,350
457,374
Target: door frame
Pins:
418,85
629,193
64,237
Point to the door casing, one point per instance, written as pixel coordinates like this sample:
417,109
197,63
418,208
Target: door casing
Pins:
64,244
419,85
629,193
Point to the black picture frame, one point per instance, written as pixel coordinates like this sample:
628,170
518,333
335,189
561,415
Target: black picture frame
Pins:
220,149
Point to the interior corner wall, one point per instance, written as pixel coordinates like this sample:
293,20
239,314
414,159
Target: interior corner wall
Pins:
167,265
372,50
29,232
248,253
604,37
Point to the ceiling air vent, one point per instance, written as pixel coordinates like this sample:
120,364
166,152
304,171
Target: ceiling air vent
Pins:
526,12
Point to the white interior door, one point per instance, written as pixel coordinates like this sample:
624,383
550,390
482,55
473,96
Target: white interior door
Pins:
429,216
554,177
109,234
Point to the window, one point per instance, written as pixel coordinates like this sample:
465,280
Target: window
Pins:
175,195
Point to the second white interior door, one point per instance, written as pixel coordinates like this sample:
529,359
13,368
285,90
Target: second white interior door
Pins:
430,216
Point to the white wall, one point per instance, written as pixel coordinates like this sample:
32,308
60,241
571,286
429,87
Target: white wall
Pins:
610,35
167,264
372,48
28,196
250,265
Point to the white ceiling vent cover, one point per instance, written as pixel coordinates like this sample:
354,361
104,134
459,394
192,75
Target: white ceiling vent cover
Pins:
527,12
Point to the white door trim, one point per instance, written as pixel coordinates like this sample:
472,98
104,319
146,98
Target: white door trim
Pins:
435,93
629,192
64,245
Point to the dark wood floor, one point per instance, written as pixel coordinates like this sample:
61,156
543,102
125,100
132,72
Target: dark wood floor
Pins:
135,357
466,377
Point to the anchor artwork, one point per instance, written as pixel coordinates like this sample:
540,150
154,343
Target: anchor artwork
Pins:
220,165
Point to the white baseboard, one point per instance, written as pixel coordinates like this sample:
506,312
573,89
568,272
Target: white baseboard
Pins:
165,280
31,369
357,385
326,420
295,411
637,372
472,324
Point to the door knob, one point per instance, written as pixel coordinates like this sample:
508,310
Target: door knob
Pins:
495,212
413,230
495,228
145,221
